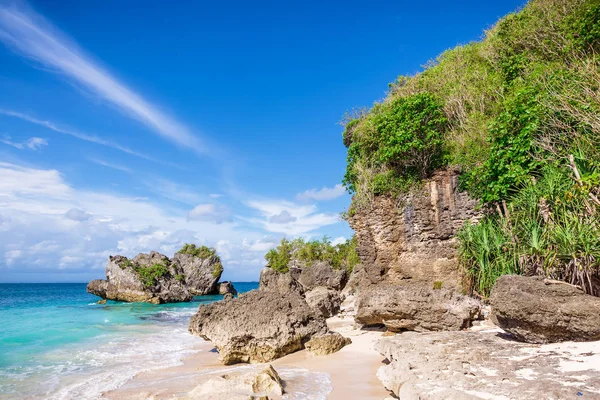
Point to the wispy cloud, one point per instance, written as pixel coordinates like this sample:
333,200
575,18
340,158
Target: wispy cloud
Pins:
110,165
289,218
32,36
33,143
79,135
323,194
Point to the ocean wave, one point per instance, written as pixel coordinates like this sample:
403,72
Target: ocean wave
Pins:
89,370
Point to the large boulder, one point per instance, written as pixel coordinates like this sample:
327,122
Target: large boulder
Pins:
227,287
415,306
154,278
241,384
323,300
327,344
280,282
258,327
146,278
536,310
201,274
321,273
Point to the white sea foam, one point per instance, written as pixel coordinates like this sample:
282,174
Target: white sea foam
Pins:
86,370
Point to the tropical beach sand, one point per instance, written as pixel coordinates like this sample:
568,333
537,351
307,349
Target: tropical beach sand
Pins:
347,374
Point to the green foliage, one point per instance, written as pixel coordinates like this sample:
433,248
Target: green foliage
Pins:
508,111
512,153
587,29
342,255
180,277
126,263
217,270
402,138
150,275
437,285
202,251
551,227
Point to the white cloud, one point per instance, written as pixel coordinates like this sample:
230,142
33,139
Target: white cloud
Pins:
323,194
47,225
216,195
32,36
283,217
210,212
338,240
33,143
77,214
307,219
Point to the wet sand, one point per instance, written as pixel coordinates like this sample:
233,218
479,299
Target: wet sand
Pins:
351,371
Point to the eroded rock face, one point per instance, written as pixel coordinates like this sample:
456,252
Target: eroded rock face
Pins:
536,310
483,365
280,282
154,278
201,275
358,277
323,300
415,306
258,327
322,274
413,237
327,344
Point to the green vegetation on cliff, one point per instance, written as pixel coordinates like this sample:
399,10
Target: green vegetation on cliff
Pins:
342,255
204,252
519,112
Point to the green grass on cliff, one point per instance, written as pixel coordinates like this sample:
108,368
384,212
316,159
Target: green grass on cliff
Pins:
340,256
519,112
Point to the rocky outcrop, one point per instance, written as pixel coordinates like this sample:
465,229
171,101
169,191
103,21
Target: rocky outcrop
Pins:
323,300
154,278
258,327
201,275
357,278
415,306
484,365
327,344
413,237
303,278
283,283
321,273
146,278
536,310
227,287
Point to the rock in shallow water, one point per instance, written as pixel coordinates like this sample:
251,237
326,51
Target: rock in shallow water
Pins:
415,306
258,327
536,310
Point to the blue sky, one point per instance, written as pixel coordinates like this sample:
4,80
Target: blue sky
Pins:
129,126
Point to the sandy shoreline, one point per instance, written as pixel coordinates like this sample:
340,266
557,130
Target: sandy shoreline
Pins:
351,371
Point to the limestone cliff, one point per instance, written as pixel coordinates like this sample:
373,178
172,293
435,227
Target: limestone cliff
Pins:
412,237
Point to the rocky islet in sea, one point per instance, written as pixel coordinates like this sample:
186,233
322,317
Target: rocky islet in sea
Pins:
154,278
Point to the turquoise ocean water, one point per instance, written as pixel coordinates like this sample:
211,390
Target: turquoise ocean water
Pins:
57,343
